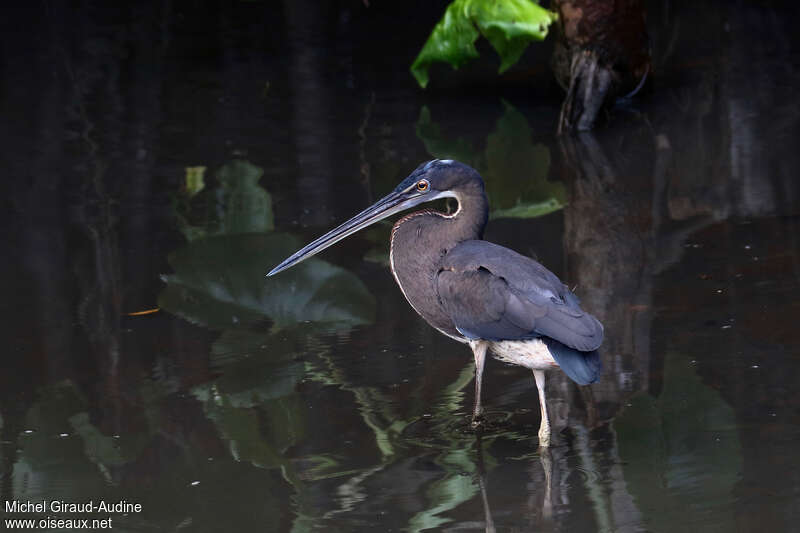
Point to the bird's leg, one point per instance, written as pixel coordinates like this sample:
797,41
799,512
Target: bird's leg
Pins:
544,427
479,351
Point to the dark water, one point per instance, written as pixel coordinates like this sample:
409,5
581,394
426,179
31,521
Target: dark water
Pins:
318,399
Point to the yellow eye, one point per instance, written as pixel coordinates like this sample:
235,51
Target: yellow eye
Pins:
423,185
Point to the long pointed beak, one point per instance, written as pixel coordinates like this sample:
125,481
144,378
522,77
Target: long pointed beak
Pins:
387,206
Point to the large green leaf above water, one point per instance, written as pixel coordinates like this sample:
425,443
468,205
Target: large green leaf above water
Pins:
508,25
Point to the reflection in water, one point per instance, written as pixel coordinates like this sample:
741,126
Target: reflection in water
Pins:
218,279
509,151
236,205
229,411
686,454
616,244
618,237
219,283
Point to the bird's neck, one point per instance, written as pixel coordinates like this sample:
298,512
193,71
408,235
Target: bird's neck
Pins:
447,230
469,220
421,240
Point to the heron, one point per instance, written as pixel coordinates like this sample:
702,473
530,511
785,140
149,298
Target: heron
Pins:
478,293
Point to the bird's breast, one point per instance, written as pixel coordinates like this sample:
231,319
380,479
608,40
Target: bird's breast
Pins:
530,353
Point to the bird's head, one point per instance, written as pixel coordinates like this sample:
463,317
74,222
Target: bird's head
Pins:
439,178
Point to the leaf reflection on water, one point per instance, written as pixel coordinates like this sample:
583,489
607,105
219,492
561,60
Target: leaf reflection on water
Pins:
514,168
266,325
679,469
238,204
219,282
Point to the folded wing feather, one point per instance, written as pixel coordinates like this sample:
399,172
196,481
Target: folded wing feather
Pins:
494,293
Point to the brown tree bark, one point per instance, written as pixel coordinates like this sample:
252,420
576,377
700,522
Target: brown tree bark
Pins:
602,53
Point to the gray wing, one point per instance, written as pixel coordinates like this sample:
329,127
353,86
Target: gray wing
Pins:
494,293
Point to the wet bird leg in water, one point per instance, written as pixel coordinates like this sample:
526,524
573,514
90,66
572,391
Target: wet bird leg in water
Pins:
479,351
544,427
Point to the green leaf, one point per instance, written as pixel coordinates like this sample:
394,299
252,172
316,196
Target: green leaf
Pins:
517,170
236,204
508,25
452,41
528,210
680,452
440,146
248,207
514,169
195,180
219,283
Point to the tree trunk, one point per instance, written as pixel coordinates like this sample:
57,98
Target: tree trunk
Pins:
602,53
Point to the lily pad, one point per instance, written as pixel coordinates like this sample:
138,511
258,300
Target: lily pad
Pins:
220,282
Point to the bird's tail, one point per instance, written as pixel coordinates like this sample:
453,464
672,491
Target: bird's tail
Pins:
582,367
